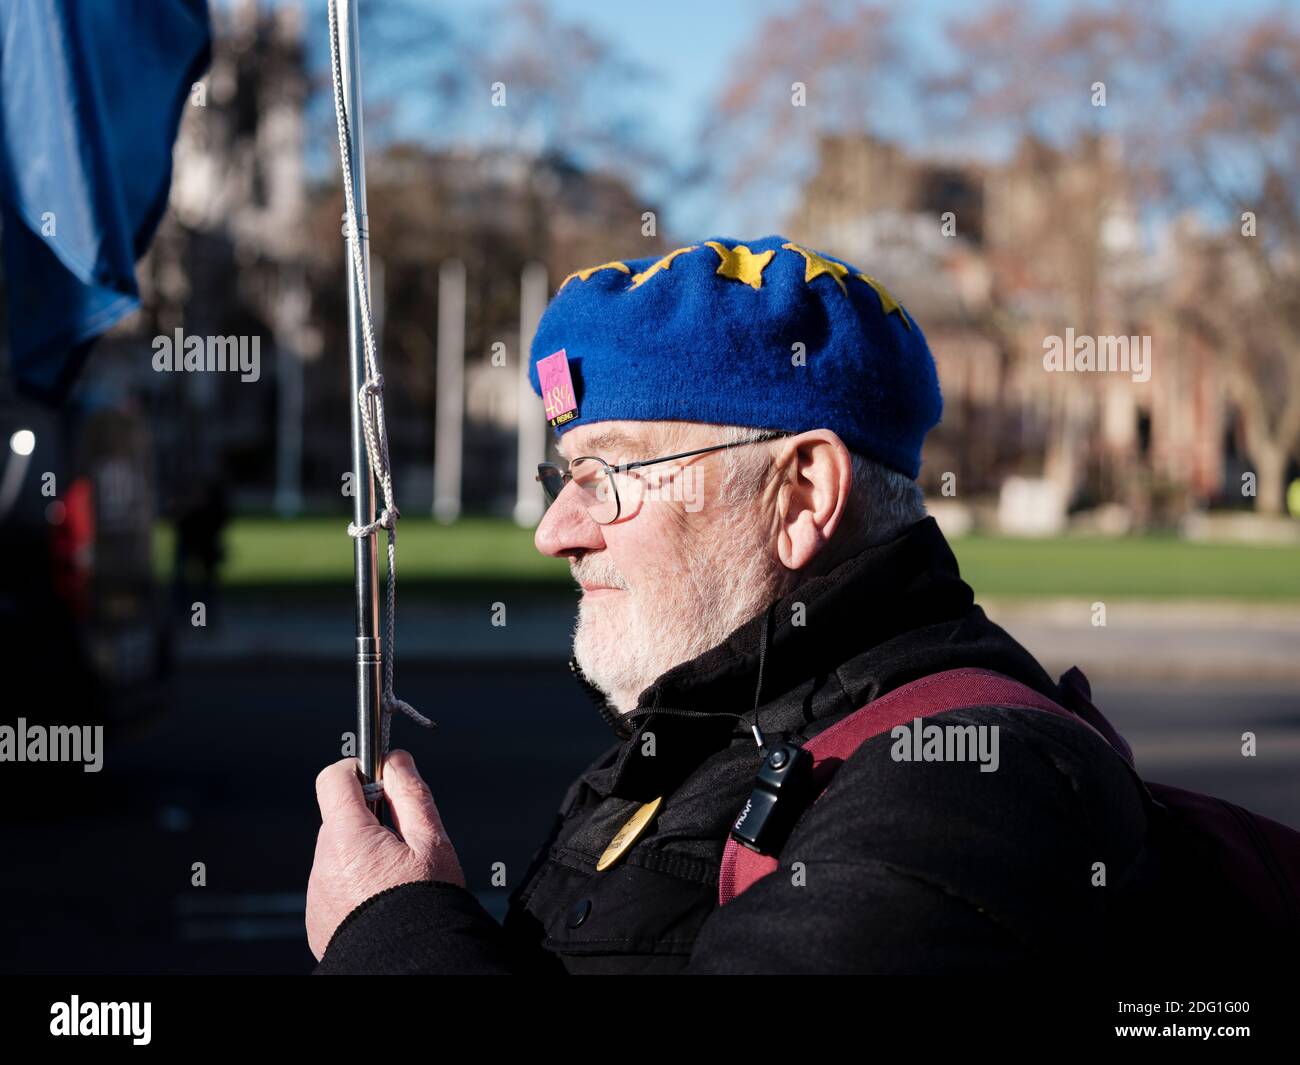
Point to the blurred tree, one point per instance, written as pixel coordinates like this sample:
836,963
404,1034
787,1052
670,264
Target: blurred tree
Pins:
519,78
819,69
1238,148
568,92
413,62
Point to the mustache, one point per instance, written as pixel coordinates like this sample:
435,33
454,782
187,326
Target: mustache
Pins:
595,569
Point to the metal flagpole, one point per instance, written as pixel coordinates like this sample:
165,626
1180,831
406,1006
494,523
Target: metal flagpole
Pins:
368,649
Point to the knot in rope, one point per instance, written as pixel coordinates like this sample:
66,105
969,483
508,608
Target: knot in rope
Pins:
386,520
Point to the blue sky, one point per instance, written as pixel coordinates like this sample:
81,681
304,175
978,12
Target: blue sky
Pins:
690,44
690,47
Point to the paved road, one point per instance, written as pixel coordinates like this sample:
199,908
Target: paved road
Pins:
1172,639
99,868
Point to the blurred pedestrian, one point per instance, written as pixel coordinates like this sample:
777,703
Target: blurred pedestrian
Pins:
200,549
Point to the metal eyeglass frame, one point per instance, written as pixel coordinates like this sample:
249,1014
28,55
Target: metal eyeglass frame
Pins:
545,468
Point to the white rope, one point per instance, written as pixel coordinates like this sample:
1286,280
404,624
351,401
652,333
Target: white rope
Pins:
371,401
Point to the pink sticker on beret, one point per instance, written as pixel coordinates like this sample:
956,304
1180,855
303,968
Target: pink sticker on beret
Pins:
557,388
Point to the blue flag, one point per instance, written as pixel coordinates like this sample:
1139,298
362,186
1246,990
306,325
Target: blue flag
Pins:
91,95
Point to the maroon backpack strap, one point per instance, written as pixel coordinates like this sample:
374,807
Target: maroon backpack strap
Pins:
1077,698
955,689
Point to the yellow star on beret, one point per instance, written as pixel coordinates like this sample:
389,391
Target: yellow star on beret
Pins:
660,264
887,302
816,266
741,264
582,275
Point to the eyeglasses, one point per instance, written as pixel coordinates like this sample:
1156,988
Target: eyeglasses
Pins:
596,483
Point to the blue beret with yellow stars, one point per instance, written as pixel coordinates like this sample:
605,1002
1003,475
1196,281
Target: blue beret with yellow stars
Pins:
765,333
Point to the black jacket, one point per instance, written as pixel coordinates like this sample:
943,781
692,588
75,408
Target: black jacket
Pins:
905,866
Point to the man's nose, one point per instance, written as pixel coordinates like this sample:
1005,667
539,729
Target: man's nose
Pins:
567,527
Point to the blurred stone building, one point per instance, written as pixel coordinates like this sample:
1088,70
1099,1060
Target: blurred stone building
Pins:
992,260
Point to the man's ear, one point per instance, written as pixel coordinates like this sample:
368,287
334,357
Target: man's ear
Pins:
814,481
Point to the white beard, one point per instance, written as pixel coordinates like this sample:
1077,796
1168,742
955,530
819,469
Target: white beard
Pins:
626,640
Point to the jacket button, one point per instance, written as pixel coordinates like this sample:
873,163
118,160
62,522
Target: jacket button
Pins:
578,913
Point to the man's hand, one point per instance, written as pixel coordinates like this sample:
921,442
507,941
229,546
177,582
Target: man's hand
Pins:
357,857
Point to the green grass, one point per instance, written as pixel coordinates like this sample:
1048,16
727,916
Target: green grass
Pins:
1144,567
315,554
312,556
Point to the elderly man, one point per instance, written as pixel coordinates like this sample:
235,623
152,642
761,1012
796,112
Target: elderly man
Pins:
741,428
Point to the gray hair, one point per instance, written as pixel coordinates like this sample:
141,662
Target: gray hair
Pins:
882,503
